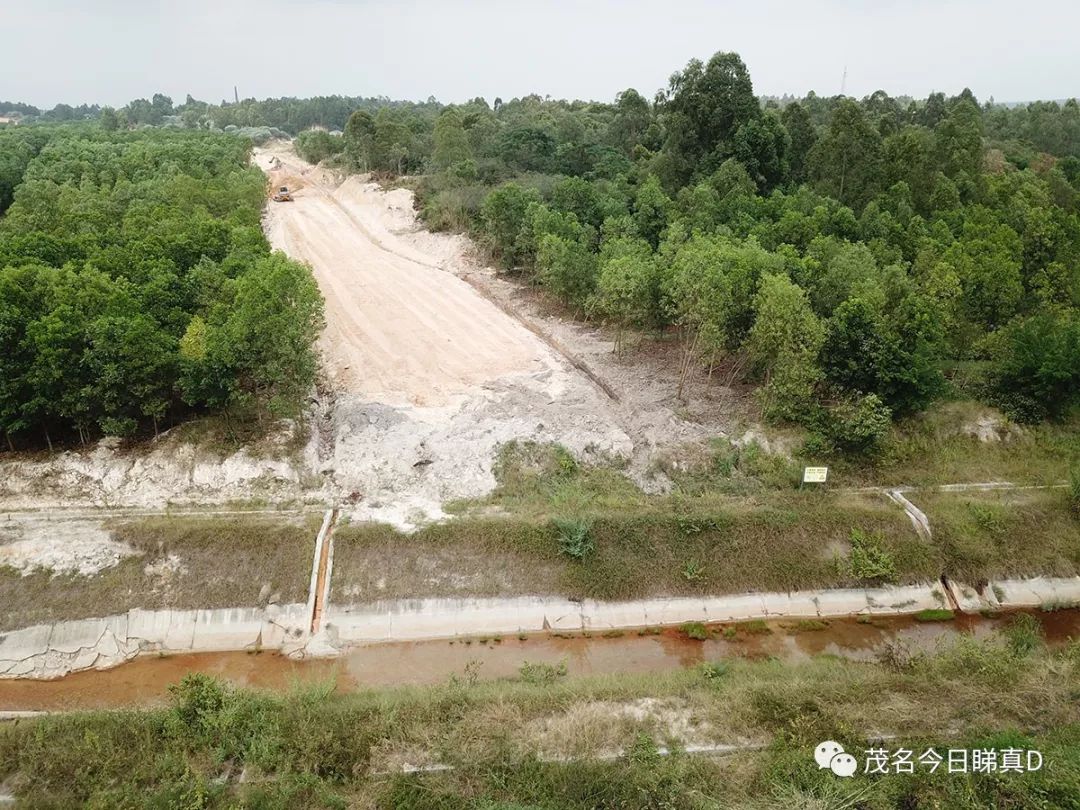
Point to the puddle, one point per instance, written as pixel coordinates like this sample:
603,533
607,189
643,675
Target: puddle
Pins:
145,680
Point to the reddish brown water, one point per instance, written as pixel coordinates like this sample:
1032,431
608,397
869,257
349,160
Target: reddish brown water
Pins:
145,681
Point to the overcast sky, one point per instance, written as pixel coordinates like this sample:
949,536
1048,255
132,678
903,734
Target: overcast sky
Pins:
111,51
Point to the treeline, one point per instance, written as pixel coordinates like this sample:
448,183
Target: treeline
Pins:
136,287
857,258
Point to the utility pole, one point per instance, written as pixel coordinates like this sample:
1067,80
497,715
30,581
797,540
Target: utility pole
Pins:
236,95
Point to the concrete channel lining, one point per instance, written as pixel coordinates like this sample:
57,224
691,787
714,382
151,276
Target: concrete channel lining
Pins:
54,650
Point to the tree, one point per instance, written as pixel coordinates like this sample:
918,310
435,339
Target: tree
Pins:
701,111
783,346
651,209
631,121
801,131
359,138
762,145
987,261
451,144
1037,365
109,120
626,290
846,162
959,139
503,212
567,268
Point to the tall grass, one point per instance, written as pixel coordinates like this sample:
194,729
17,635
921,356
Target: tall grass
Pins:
536,740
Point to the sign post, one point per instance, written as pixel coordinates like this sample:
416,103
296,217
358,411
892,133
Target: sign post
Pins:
815,475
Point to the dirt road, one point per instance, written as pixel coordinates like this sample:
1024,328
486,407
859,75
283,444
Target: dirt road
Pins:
429,376
399,330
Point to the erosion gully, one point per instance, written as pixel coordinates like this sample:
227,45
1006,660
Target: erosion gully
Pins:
145,680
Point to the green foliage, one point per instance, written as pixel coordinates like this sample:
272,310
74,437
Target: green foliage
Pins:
869,560
503,212
783,346
934,615
1037,370
575,537
695,631
858,425
136,286
541,673
317,145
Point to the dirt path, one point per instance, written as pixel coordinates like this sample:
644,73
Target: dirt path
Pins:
399,330
427,376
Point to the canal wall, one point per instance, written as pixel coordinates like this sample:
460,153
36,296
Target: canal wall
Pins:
54,650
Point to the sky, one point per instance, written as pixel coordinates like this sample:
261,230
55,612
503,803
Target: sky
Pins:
110,51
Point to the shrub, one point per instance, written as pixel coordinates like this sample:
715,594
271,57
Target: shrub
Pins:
575,537
859,425
869,561
713,671
695,631
541,672
1074,491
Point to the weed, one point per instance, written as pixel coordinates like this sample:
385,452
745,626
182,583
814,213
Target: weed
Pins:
713,671
1023,634
755,627
1053,605
810,625
934,615
693,571
869,561
729,632
695,630
575,537
613,633
541,672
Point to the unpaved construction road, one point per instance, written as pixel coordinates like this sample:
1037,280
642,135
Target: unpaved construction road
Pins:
398,329
428,376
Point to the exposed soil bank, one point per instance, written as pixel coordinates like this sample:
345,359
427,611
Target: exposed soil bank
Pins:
51,651
145,681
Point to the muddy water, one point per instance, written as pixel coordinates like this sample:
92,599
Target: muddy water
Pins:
145,681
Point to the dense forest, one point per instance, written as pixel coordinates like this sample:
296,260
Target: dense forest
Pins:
856,259
136,285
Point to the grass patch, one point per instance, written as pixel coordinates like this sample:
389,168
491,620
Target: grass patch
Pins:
184,562
695,631
934,615
776,541
938,447
999,534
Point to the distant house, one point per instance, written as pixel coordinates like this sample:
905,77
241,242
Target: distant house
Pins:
10,119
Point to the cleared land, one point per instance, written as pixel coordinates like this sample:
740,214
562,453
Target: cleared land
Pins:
398,330
173,562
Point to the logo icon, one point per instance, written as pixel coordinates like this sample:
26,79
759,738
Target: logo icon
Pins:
830,754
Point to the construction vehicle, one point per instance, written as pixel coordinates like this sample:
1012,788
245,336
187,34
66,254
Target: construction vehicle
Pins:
282,195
